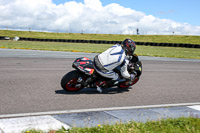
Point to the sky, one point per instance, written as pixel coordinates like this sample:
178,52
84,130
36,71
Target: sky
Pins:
184,11
169,17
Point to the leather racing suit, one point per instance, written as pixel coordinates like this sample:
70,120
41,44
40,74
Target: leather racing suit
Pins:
113,57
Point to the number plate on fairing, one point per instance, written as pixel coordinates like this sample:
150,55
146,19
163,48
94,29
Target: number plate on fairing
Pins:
84,64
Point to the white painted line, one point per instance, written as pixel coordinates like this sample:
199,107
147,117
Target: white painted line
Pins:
95,109
196,107
17,125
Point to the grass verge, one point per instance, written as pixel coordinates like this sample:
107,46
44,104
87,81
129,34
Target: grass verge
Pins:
109,37
156,51
178,125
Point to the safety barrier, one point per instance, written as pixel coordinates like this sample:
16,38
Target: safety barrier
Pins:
106,42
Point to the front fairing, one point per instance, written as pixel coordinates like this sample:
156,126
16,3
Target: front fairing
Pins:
137,64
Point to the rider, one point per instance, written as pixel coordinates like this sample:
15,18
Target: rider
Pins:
117,55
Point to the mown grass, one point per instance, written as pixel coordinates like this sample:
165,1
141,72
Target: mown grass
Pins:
156,51
109,37
98,48
178,125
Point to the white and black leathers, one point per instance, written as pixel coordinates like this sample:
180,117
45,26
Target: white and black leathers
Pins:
110,59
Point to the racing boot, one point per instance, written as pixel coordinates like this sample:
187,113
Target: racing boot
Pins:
101,85
99,89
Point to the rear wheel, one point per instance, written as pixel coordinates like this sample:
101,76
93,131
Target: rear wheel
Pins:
69,81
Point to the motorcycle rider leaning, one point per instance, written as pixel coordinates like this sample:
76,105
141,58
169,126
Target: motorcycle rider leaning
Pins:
117,55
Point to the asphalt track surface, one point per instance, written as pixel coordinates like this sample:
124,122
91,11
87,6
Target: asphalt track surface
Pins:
30,82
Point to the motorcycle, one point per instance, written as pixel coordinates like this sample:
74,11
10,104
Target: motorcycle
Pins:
85,76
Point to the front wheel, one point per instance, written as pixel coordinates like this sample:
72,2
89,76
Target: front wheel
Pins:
69,81
127,84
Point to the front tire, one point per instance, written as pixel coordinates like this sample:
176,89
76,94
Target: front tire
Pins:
69,81
127,84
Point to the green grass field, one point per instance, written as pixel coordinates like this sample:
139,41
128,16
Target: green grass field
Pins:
176,52
178,125
98,48
109,37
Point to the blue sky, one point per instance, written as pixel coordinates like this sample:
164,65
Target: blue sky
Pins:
183,11
151,17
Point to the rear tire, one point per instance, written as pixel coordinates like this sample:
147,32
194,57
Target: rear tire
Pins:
69,81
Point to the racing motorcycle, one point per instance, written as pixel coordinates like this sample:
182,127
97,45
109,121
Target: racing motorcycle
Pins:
85,76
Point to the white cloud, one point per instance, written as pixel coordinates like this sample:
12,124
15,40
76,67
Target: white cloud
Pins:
93,4
89,17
